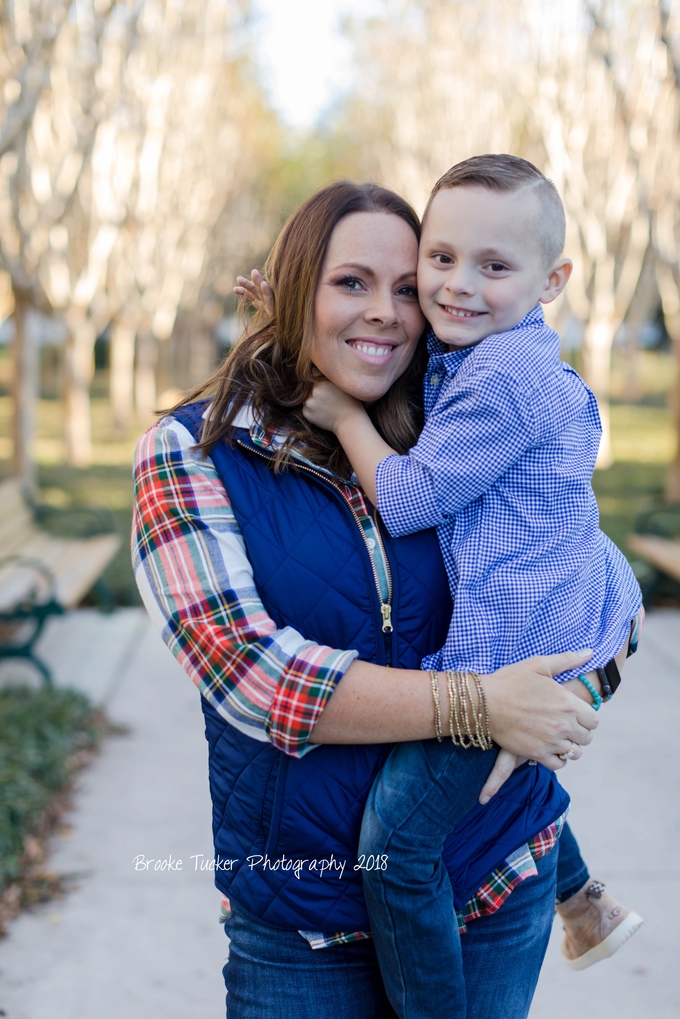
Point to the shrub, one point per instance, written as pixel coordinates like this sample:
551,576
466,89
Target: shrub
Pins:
41,733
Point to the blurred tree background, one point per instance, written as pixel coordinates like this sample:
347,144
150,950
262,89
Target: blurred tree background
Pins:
142,167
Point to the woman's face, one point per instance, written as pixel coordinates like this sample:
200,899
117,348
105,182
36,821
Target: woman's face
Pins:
367,320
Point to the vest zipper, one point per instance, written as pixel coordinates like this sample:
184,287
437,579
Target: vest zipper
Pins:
385,606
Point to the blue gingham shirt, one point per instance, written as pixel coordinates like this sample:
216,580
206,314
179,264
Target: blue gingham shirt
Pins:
503,469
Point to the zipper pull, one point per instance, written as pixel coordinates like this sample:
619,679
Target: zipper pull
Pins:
386,612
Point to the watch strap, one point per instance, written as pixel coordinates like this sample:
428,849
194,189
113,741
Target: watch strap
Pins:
610,678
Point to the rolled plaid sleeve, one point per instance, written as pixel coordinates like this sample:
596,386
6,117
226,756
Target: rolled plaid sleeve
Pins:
475,432
197,584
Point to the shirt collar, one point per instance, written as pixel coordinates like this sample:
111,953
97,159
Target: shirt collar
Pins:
453,358
269,440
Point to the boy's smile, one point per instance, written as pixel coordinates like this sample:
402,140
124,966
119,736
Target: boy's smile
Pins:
481,264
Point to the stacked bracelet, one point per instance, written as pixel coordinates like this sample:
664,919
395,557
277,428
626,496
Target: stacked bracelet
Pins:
597,700
483,712
462,708
437,709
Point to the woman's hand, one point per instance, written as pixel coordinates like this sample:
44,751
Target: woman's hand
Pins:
328,406
257,291
530,718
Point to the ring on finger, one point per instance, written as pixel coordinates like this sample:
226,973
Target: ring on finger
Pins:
570,754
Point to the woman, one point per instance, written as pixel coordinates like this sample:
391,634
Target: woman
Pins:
303,625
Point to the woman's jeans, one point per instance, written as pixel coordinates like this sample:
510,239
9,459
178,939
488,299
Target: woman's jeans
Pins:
422,792
274,974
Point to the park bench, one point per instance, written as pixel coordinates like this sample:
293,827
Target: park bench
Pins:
42,574
662,554
655,543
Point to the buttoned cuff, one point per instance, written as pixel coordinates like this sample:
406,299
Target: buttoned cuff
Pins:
302,692
406,496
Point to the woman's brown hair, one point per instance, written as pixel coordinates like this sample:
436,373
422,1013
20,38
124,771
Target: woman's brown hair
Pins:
270,367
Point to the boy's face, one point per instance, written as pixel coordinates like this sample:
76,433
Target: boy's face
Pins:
481,266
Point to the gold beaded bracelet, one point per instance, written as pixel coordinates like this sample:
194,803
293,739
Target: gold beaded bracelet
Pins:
464,680
462,709
458,730
483,714
434,680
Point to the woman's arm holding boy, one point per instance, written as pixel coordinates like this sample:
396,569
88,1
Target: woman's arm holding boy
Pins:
278,686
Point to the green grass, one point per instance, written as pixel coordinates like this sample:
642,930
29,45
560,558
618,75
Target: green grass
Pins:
643,444
646,378
623,493
642,434
630,493
109,486
40,730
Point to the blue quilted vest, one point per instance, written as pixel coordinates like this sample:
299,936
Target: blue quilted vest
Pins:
286,829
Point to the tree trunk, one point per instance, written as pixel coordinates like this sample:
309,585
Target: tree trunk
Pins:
79,363
597,363
202,354
597,369
122,374
642,307
597,346
673,475
670,301
25,391
631,382
145,376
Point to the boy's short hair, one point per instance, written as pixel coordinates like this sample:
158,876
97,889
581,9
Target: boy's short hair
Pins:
502,172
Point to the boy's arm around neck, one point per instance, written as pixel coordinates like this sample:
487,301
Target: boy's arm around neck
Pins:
365,449
482,423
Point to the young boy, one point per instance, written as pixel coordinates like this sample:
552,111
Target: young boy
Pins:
502,469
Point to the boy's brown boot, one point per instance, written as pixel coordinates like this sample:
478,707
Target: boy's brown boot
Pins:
595,925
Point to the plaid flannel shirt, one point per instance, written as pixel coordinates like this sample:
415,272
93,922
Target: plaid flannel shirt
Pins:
197,584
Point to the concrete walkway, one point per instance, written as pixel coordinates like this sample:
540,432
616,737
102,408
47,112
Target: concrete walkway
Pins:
129,944
626,815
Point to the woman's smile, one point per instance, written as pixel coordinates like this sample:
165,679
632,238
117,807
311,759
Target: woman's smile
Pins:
373,349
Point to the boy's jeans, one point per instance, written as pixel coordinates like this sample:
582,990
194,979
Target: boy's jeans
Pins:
572,872
411,902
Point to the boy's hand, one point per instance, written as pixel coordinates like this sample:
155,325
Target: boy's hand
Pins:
257,291
328,406
500,773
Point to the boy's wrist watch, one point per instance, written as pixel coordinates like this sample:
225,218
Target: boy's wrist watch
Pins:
609,674
609,677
